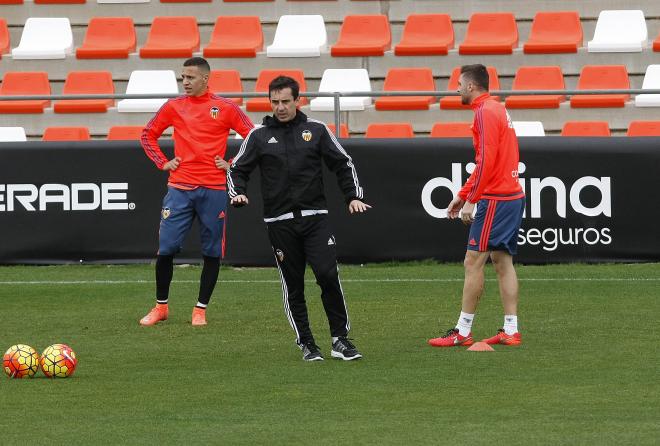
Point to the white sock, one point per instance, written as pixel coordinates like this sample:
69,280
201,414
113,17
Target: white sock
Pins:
464,323
510,324
335,339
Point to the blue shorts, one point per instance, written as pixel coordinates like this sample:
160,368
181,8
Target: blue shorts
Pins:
496,225
180,207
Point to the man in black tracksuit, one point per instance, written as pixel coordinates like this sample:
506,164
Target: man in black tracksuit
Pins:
289,149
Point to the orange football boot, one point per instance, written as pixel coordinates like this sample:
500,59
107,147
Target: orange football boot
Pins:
199,316
157,314
502,338
451,339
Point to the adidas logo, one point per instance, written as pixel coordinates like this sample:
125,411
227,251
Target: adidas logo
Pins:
272,140
331,241
473,242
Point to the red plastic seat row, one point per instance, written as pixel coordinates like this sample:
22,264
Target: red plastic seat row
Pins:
116,133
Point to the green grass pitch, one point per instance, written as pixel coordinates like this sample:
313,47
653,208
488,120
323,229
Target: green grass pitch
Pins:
587,373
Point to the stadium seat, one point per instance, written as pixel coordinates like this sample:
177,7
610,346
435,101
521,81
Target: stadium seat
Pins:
108,38
342,80
426,34
171,37
226,81
555,32
656,43
86,82
235,36
24,83
586,128
125,132
299,36
44,38
264,78
407,79
451,130
12,134
593,77
651,81
148,82
186,1
52,2
490,33
619,31
240,1
363,35
123,1
454,102
343,130
390,130
4,37
644,128
537,78
528,128
11,2
66,134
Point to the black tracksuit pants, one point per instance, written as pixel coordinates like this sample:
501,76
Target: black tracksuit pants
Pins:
299,241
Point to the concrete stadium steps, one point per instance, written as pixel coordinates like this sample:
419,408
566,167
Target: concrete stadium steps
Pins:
422,120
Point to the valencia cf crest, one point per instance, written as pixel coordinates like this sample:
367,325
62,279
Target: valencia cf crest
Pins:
307,135
280,255
165,212
214,112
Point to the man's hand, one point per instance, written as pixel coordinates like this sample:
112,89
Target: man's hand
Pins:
467,212
172,164
239,200
357,206
221,164
455,207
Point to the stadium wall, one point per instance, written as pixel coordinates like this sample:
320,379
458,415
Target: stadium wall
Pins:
588,200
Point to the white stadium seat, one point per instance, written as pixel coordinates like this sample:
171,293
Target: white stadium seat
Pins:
619,31
45,38
528,128
343,80
8,134
651,81
299,36
148,82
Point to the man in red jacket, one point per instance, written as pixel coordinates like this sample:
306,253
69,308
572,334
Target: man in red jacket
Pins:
501,202
197,185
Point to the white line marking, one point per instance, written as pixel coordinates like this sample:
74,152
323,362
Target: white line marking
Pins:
403,280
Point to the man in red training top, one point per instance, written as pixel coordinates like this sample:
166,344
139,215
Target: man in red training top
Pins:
197,180
494,186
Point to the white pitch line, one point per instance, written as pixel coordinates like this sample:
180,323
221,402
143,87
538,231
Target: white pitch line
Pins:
409,280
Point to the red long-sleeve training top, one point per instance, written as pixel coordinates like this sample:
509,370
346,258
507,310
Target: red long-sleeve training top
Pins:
201,128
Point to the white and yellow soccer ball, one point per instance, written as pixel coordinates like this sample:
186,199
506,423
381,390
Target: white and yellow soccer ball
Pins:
20,361
58,361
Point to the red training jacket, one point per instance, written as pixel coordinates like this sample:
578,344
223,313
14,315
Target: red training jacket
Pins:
495,176
201,127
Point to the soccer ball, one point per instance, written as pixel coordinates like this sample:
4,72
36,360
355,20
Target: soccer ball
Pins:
58,361
20,361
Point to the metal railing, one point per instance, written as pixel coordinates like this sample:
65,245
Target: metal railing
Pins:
336,95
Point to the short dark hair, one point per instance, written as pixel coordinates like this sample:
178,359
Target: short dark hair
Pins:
478,74
198,62
282,82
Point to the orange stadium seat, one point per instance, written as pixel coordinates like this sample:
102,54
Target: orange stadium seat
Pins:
586,128
555,32
451,130
537,78
171,37
11,2
656,43
407,79
390,130
593,77
226,81
264,78
235,36
86,82
24,83
4,37
490,33
454,102
343,130
237,1
363,35
125,132
66,134
108,38
644,128
426,34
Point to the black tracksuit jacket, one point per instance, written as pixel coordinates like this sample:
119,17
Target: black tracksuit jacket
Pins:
289,155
